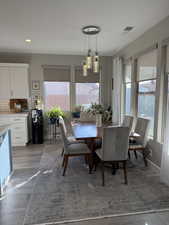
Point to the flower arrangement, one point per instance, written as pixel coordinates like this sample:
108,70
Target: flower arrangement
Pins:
106,113
95,109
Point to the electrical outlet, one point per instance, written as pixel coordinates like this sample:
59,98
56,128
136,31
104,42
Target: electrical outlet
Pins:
150,152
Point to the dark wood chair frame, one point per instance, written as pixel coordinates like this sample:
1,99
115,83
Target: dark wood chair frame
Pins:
87,156
115,165
140,149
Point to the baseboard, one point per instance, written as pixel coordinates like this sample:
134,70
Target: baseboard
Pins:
105,217
153,164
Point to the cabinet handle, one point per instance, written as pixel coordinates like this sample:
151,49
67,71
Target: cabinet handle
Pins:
17,119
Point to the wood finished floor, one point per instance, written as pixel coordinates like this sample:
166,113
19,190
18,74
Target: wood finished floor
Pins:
26,164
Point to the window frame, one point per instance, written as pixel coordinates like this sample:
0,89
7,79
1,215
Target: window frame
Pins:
142,80
153,93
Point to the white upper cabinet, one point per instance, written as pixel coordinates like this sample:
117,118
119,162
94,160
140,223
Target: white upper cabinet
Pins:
14,82
4,83
19,82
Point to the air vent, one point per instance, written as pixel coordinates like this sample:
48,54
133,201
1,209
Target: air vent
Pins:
128,28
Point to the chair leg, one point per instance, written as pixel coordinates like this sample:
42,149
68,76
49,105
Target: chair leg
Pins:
90,162
94,161
102,173
125,172
65,165
62,152
63,162
129,154
113,169
135,153
144,157
86,159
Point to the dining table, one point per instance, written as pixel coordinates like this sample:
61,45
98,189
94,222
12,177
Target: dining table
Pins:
88,132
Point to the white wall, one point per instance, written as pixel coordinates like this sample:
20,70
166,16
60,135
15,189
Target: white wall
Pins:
156,34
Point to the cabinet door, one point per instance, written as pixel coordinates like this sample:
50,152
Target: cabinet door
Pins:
4,83
19,82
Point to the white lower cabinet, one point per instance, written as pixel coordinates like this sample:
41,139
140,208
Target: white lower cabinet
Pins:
19,127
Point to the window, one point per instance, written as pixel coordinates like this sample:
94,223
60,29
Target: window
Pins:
146,81
57,94
146,101
127,86
87,93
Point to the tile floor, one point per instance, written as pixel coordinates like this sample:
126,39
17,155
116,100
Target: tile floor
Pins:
13,206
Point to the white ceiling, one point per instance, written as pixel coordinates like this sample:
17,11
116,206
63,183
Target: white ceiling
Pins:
55,25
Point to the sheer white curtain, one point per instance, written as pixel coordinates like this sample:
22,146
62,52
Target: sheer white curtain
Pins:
165,155
117,89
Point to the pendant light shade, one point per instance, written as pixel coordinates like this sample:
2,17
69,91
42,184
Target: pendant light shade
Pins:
89,59
84,69
96,63
96,66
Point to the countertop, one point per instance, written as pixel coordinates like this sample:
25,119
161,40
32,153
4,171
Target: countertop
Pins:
14,114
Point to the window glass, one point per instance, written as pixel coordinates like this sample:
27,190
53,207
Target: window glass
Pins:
57,94
87,93
128,98
146,101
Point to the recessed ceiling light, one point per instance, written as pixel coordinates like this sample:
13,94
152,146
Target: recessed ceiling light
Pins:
128,28
28,40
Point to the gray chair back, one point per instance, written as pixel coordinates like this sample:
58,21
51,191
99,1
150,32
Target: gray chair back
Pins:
68,126
128,122
63,136
115,144
61,121
142,127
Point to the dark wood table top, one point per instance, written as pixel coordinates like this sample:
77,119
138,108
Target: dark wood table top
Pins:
87,131
83,130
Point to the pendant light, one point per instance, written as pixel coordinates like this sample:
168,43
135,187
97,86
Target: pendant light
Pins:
96,64
91,62
89,59
96,60
84,69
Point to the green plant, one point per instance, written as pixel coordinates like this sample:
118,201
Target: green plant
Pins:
54,112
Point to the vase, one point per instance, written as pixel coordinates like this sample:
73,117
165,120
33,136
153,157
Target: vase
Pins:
98,120
53,120
76,114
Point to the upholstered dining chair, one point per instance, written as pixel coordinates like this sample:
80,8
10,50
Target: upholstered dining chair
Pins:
70,138
139,141
72,149
128,122
114,148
